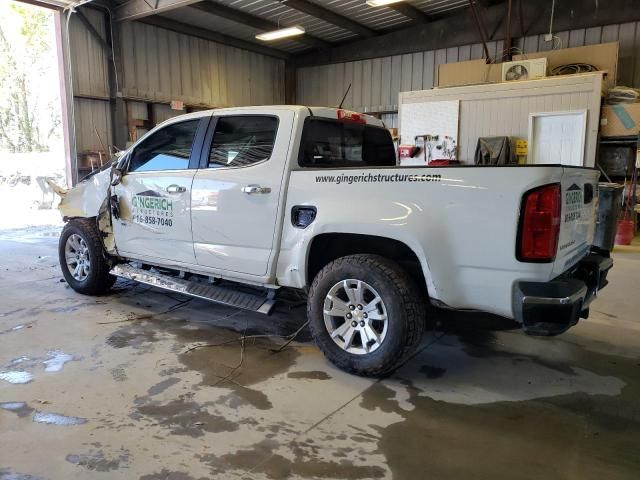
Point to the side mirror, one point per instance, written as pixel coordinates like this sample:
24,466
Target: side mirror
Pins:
116,176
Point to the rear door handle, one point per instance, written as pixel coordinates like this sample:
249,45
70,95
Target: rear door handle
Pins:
176,189
252,189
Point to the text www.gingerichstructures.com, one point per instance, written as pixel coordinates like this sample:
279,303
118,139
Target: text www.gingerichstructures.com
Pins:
377,178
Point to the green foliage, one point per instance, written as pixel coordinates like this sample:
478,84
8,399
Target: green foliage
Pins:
29,119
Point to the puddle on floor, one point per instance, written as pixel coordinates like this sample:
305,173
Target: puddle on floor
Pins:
50,418
19,408
16,377
56,361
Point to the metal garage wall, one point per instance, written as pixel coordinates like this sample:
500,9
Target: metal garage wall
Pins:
161,65
90,79
377,82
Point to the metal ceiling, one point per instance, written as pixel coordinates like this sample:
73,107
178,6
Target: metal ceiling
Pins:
375,19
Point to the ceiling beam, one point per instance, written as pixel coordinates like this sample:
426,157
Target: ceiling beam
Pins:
459,29
411,12
137,9
244,18
330,16
179,27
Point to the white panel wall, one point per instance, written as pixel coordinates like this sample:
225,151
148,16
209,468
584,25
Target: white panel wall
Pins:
503,109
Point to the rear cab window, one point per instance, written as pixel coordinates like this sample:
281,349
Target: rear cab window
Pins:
328,143
242,140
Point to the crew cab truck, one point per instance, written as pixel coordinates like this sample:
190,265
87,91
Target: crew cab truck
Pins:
312,199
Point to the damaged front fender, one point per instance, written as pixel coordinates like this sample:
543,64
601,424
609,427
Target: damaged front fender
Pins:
85,199
88,199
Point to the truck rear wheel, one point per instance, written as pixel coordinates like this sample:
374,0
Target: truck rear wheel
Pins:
82,258
366,314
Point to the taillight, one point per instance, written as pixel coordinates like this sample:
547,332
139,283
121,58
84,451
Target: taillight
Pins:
540,224
350,117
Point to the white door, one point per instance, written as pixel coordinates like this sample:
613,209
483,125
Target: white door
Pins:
154,196
236,194
557,138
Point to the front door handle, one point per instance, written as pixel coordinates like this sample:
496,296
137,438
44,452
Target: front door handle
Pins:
176,189
251,189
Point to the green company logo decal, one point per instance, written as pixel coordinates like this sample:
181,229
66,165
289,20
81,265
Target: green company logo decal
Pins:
153,203
151,208
573,199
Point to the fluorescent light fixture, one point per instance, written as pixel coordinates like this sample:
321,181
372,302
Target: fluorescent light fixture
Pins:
281,33
381,3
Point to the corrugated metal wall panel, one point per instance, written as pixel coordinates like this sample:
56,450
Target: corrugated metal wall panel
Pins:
93,125
89,62
162,65
418,71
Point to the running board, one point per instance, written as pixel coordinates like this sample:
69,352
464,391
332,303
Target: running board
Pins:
214,293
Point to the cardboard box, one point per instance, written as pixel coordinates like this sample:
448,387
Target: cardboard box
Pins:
471,72
604,56
620,120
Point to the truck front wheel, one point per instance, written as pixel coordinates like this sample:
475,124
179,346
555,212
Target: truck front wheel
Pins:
82,258
366,314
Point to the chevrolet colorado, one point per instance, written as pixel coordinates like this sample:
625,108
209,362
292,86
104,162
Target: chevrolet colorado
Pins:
312,199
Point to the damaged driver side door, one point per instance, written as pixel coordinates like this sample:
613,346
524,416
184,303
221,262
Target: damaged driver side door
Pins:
154,195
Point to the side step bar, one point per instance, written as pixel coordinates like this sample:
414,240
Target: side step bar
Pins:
213,293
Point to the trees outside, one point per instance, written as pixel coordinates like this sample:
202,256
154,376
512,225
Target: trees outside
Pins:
31,144
29,93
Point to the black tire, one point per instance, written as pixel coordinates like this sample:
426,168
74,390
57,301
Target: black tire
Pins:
98,279
404,305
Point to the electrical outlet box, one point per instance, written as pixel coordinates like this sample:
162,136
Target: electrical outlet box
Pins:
548,37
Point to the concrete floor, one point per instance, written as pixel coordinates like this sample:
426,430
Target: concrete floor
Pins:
111,390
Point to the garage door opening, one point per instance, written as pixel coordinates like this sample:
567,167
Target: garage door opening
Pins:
31,134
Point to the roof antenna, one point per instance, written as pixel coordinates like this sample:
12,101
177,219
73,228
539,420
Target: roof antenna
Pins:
345,96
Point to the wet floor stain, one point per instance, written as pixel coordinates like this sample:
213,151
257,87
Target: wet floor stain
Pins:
21,409
51,418
264,457
313,375
119,374
165,474
56,360
16,377
227,366
137,337
97,460
573,435
432,372
158,388
184,417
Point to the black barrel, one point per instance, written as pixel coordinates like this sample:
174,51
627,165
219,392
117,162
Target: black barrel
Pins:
609,207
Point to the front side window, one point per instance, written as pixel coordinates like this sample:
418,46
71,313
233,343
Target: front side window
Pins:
167,149
330,143
242,140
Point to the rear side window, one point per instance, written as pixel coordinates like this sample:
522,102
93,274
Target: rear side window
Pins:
239,141
167,149
332,144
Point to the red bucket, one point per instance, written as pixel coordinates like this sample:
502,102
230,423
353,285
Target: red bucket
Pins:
624,232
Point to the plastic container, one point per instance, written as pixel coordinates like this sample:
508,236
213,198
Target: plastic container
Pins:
609,206
624,234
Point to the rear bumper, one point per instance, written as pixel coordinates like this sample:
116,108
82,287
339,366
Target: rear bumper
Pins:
551,308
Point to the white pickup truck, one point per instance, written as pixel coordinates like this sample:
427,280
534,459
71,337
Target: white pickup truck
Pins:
312,199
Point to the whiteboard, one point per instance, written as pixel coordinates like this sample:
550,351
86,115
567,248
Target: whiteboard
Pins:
557,138
428,118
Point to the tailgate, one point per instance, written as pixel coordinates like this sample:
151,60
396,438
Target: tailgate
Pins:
579,216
